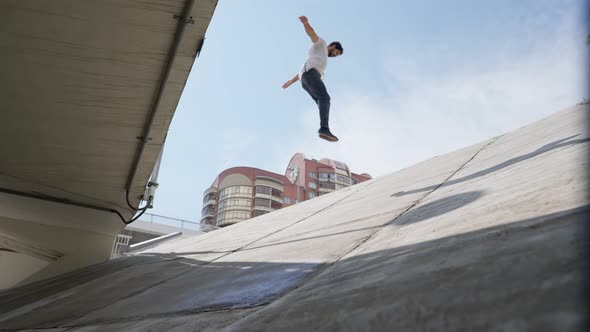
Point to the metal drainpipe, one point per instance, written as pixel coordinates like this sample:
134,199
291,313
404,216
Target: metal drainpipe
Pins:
145,138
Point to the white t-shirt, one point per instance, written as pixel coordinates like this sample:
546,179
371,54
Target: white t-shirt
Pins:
317,57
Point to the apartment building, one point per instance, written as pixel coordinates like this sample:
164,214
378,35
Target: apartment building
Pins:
241,193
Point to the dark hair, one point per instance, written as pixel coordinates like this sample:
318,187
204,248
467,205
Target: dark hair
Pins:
338,46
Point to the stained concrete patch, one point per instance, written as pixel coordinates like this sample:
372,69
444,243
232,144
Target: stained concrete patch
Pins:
203,322
17,297
80,300
215,286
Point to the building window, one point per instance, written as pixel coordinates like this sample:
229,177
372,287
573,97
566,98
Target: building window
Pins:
313,175
263,190
312,195
325,176
276,193
287,200
209,197
269,191
343,179
235,191
262,202
235,203
312,185
327,185
232,216
207,211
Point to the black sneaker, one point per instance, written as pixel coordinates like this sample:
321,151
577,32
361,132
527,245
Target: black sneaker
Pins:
327,135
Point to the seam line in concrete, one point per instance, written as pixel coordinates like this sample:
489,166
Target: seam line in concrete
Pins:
214,260
290,225
418,201
327,266
368,237
65,324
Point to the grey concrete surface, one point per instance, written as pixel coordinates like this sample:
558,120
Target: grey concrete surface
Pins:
88,91
488,237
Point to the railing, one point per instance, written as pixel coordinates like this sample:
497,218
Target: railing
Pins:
150,242
210,190
180,223
263,208
267,196
209,202
120,246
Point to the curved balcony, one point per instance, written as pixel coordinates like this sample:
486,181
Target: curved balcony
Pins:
229,221
208,215
210,190
269,182
263,208
209,202
235,195
237,208
271,197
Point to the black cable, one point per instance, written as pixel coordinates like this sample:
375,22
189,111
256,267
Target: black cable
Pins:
69,202
135,209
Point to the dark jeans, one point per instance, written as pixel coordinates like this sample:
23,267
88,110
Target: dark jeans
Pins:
312,83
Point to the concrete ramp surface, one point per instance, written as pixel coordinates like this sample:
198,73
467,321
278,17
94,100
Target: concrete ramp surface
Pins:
489,237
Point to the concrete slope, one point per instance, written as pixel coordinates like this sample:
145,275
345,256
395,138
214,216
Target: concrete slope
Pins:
488,237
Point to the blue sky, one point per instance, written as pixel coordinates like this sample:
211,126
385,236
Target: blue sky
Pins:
417,79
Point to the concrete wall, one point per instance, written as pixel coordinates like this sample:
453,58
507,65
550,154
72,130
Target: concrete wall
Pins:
66,237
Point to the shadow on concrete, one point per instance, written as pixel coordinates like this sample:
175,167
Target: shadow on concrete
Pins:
424,212
546,148
438,207
527,272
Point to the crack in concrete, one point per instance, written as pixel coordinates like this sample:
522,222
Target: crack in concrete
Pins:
207,263
327,266
493,140
312,276
363,241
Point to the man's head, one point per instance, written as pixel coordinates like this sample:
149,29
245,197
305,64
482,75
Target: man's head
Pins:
335,49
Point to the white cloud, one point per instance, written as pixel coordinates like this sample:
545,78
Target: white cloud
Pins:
433,115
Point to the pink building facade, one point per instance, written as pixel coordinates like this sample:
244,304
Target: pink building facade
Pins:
241,193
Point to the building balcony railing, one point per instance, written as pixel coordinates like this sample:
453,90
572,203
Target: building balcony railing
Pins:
209,202
235,208
174,222
229,221
271,197
209,191
235,195
207,215
263,208
267,178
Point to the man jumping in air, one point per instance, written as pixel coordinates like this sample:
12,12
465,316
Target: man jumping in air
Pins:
311,75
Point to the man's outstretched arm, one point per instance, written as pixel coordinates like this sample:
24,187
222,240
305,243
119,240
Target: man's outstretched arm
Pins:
308,29
291,81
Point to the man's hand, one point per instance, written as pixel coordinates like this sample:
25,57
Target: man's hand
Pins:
308,29
291,81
